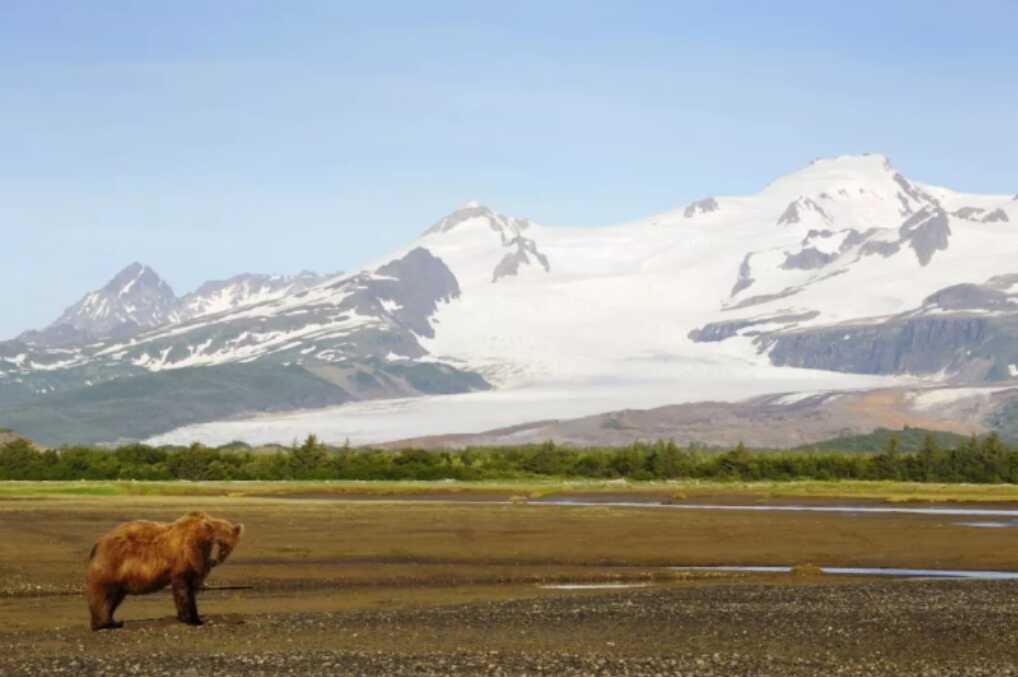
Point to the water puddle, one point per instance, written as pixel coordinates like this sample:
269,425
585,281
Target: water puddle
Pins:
846,509
990,524
593,586
867,571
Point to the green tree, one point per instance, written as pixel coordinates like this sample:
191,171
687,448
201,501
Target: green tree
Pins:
191,463
737,463
927,457
886,464
308,460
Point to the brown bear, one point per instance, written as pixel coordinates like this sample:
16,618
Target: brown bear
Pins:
140,557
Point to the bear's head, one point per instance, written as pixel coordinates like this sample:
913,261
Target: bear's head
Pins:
225,536
217,537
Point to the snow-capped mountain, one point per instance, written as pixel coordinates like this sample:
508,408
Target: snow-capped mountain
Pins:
875,250
470,225
249,344
137,299
134,300
372,315
843,274
221,296
843,239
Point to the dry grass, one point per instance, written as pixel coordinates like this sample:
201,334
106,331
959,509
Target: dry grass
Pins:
521,491
315,542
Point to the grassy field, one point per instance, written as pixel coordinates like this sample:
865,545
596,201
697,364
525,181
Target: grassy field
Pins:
888,491
312,534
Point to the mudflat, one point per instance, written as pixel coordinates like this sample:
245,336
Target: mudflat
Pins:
396,585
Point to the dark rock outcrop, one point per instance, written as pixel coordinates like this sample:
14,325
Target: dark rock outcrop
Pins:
926,232
793,212
525,248
719,331
704,206
996,216
745,278
970,213
810,258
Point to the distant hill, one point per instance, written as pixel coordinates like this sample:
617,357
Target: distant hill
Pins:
7,436
909,439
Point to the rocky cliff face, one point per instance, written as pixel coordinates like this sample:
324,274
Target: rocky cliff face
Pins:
968,331
923,345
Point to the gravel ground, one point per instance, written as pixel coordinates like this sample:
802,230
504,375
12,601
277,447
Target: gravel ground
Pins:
494,663
739,628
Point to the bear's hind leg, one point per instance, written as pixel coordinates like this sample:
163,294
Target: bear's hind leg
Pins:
116,596
96,596
102,602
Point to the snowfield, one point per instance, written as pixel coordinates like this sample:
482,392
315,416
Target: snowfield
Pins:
389,420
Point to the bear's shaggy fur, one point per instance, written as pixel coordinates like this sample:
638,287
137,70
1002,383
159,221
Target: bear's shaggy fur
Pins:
140,557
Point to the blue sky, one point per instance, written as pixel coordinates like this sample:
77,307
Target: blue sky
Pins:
211,138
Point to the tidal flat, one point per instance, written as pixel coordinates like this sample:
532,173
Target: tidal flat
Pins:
447,579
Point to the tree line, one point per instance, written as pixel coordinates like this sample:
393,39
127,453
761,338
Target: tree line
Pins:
978,460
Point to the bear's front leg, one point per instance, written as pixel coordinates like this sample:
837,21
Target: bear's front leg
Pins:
183,597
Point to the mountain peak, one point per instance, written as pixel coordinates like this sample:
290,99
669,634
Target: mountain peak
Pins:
134,268
135,277
868,186
474,214
859,161
136,298
470,211
834,173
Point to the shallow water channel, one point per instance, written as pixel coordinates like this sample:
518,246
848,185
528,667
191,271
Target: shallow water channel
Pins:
867,571
849,509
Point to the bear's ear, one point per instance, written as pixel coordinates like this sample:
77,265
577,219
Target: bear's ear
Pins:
238,529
